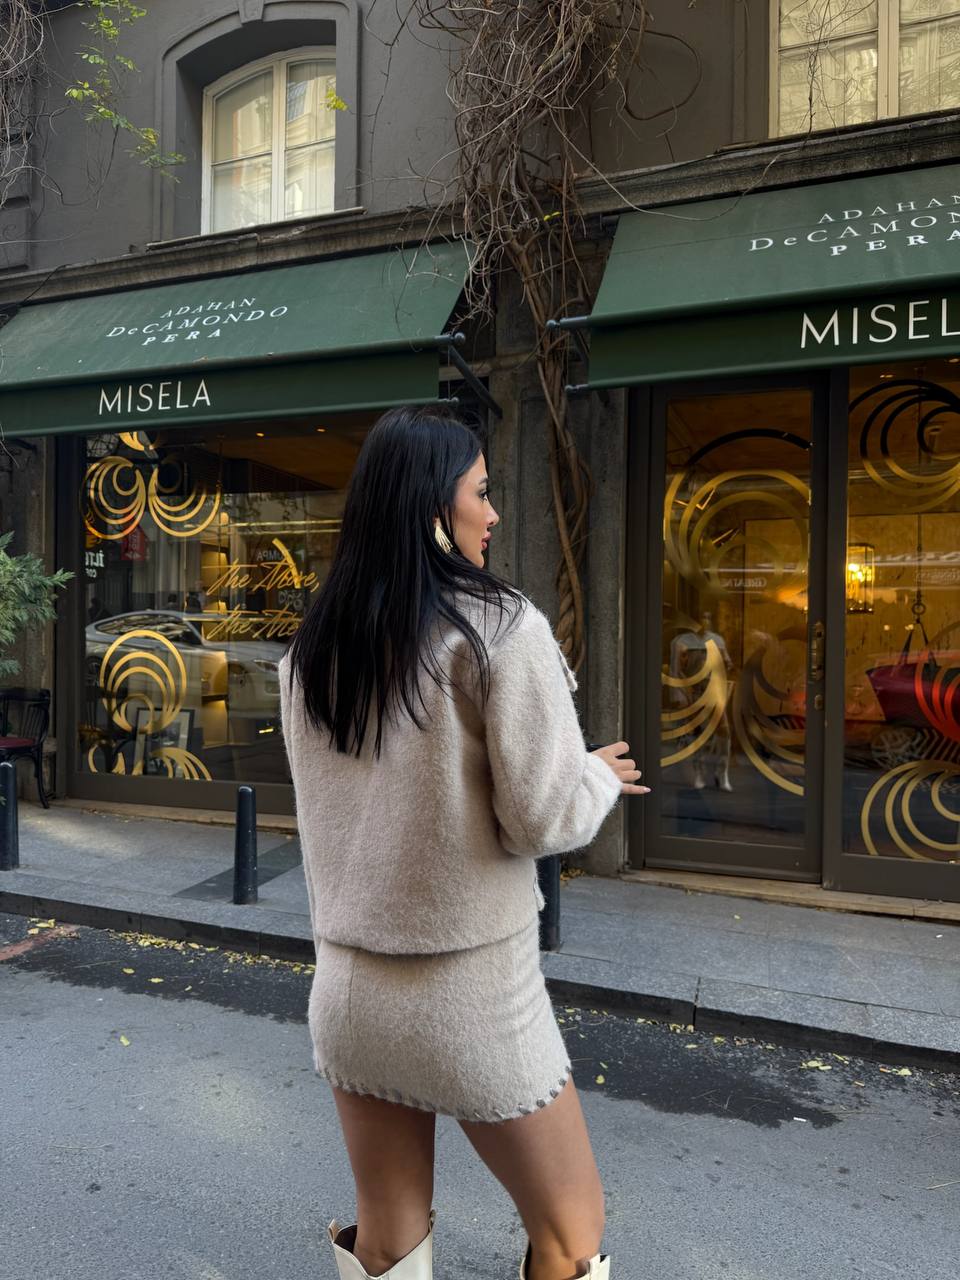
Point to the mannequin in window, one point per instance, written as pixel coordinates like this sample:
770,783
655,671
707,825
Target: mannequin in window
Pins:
688,656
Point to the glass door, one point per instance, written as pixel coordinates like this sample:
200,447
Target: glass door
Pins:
893,815
732,618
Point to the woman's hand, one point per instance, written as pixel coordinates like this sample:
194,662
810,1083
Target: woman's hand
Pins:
626,770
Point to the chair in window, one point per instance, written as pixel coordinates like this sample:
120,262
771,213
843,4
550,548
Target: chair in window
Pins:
98,728
24,723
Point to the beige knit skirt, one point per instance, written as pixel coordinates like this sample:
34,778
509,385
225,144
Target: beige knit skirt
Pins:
470,1034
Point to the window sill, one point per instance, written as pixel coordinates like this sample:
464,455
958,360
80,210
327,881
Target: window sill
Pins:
264,230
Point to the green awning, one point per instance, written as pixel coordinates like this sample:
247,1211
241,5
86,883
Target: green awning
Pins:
852,271
342,334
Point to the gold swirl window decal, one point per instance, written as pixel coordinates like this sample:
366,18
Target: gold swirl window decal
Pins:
158,665
116,497
903,785
703,713
138,440
765,737
114,506
928,403
693,544
170,683
181,519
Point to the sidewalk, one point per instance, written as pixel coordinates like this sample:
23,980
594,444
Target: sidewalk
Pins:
867,984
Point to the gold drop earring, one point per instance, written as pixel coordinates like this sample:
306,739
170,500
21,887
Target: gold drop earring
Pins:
443,542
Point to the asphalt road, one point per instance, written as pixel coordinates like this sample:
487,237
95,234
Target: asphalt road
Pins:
159,1117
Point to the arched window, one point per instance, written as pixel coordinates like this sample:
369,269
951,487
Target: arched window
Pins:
268,141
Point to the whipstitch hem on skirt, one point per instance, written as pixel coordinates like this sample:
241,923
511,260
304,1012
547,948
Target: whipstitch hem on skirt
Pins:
394,1095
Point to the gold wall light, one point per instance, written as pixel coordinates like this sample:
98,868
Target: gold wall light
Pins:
861,573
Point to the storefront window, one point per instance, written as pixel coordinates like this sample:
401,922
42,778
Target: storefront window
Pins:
270,136
902,671
203,552
734,629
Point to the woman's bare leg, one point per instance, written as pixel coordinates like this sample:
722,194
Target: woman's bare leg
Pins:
391,1153
546,1164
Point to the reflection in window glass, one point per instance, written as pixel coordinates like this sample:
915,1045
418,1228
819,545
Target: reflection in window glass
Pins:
918,10
242,193
830,86
814,21
853,62
930,66
310,118
194,589
734,628
901,785
243,121
260,173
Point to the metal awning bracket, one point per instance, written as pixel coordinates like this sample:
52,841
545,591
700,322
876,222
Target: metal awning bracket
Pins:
469,377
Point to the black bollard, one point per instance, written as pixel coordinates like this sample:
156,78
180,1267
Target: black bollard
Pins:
548,875
9,826
245,847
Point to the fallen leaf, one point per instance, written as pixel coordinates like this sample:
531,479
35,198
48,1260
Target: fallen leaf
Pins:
155,979
690,1046
129,971
124,1040
600,1079
814,1064
719,1039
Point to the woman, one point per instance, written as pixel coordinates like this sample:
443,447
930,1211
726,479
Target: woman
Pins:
436,753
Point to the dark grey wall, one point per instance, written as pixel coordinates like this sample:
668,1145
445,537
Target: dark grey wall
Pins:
393,142
700,86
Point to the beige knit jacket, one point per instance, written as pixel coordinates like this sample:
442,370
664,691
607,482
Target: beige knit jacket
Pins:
432,846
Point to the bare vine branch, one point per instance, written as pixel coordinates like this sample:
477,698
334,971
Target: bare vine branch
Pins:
521,87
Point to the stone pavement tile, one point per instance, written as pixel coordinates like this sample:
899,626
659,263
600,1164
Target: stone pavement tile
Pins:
906,1026
772,919
866,932
871,977
936,938
657,991
765,1003
691,950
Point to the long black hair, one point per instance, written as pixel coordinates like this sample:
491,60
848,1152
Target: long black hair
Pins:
365,641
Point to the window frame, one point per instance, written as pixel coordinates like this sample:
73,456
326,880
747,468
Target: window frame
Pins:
278,63
889,30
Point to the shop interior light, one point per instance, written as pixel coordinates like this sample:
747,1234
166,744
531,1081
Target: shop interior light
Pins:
261,434
861,571
321,430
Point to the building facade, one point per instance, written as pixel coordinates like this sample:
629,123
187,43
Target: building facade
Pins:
768,406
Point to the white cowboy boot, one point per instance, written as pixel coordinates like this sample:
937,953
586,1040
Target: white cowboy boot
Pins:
416,1265
598,1268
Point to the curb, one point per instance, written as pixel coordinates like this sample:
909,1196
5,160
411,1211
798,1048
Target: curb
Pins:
180,928
659,1007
